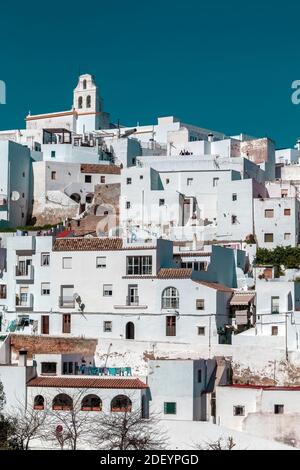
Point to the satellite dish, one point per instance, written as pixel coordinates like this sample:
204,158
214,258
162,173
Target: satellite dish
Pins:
15,196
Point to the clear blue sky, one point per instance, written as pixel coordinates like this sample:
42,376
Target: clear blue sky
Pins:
225,65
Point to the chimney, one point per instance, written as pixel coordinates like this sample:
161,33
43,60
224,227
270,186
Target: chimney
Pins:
22,358
210,137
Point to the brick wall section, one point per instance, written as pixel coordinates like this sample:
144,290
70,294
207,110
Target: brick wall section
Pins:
52,344
100,169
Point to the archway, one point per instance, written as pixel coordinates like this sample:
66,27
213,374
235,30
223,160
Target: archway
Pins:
130,330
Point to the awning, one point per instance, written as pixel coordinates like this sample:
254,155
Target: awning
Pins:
242,299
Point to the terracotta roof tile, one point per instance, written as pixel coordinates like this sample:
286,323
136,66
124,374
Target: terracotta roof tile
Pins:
191,254
87,382
88,244
174,273
214,285
100,169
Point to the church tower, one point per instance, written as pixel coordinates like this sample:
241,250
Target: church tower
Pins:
89,106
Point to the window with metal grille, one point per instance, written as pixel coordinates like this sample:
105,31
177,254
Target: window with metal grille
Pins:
170,298
139,265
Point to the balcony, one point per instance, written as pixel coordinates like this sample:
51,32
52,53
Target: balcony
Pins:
66,302
132,302
24,302
25,273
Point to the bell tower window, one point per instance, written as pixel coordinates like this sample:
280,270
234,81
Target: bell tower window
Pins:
88,101
80,102
84,84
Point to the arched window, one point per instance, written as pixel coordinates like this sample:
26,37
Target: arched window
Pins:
84,84
170,298
39,403
88,101
62,402
121,403
91,403
80,102
130,330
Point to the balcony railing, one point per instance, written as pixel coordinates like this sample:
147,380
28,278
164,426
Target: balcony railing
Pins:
132,300
66,302
24,273
24,303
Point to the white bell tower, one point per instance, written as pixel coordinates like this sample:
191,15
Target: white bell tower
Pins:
88,106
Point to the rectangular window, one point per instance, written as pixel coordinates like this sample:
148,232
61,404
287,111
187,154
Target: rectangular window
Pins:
170,408
107,326
102,179
53,154
238,411
284,193
67,263
133,298
189,181
48,368
88,179
234,197
23,296
201,330
45,288
269,237
128,181
275,304
200,304
66,323
167,180
171,326
161,202
128,205
269,213
107,290
101,262
274,330
233,219
45,259
287,236
67,297
139,265
215,182
53,175
287,211
278,409
45,325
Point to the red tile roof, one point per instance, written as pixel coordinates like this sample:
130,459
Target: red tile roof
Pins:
88,244
174,273
214,285
191,254
95,244
87,382
100,169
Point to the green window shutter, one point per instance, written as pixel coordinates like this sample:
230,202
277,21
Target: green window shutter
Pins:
170,408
